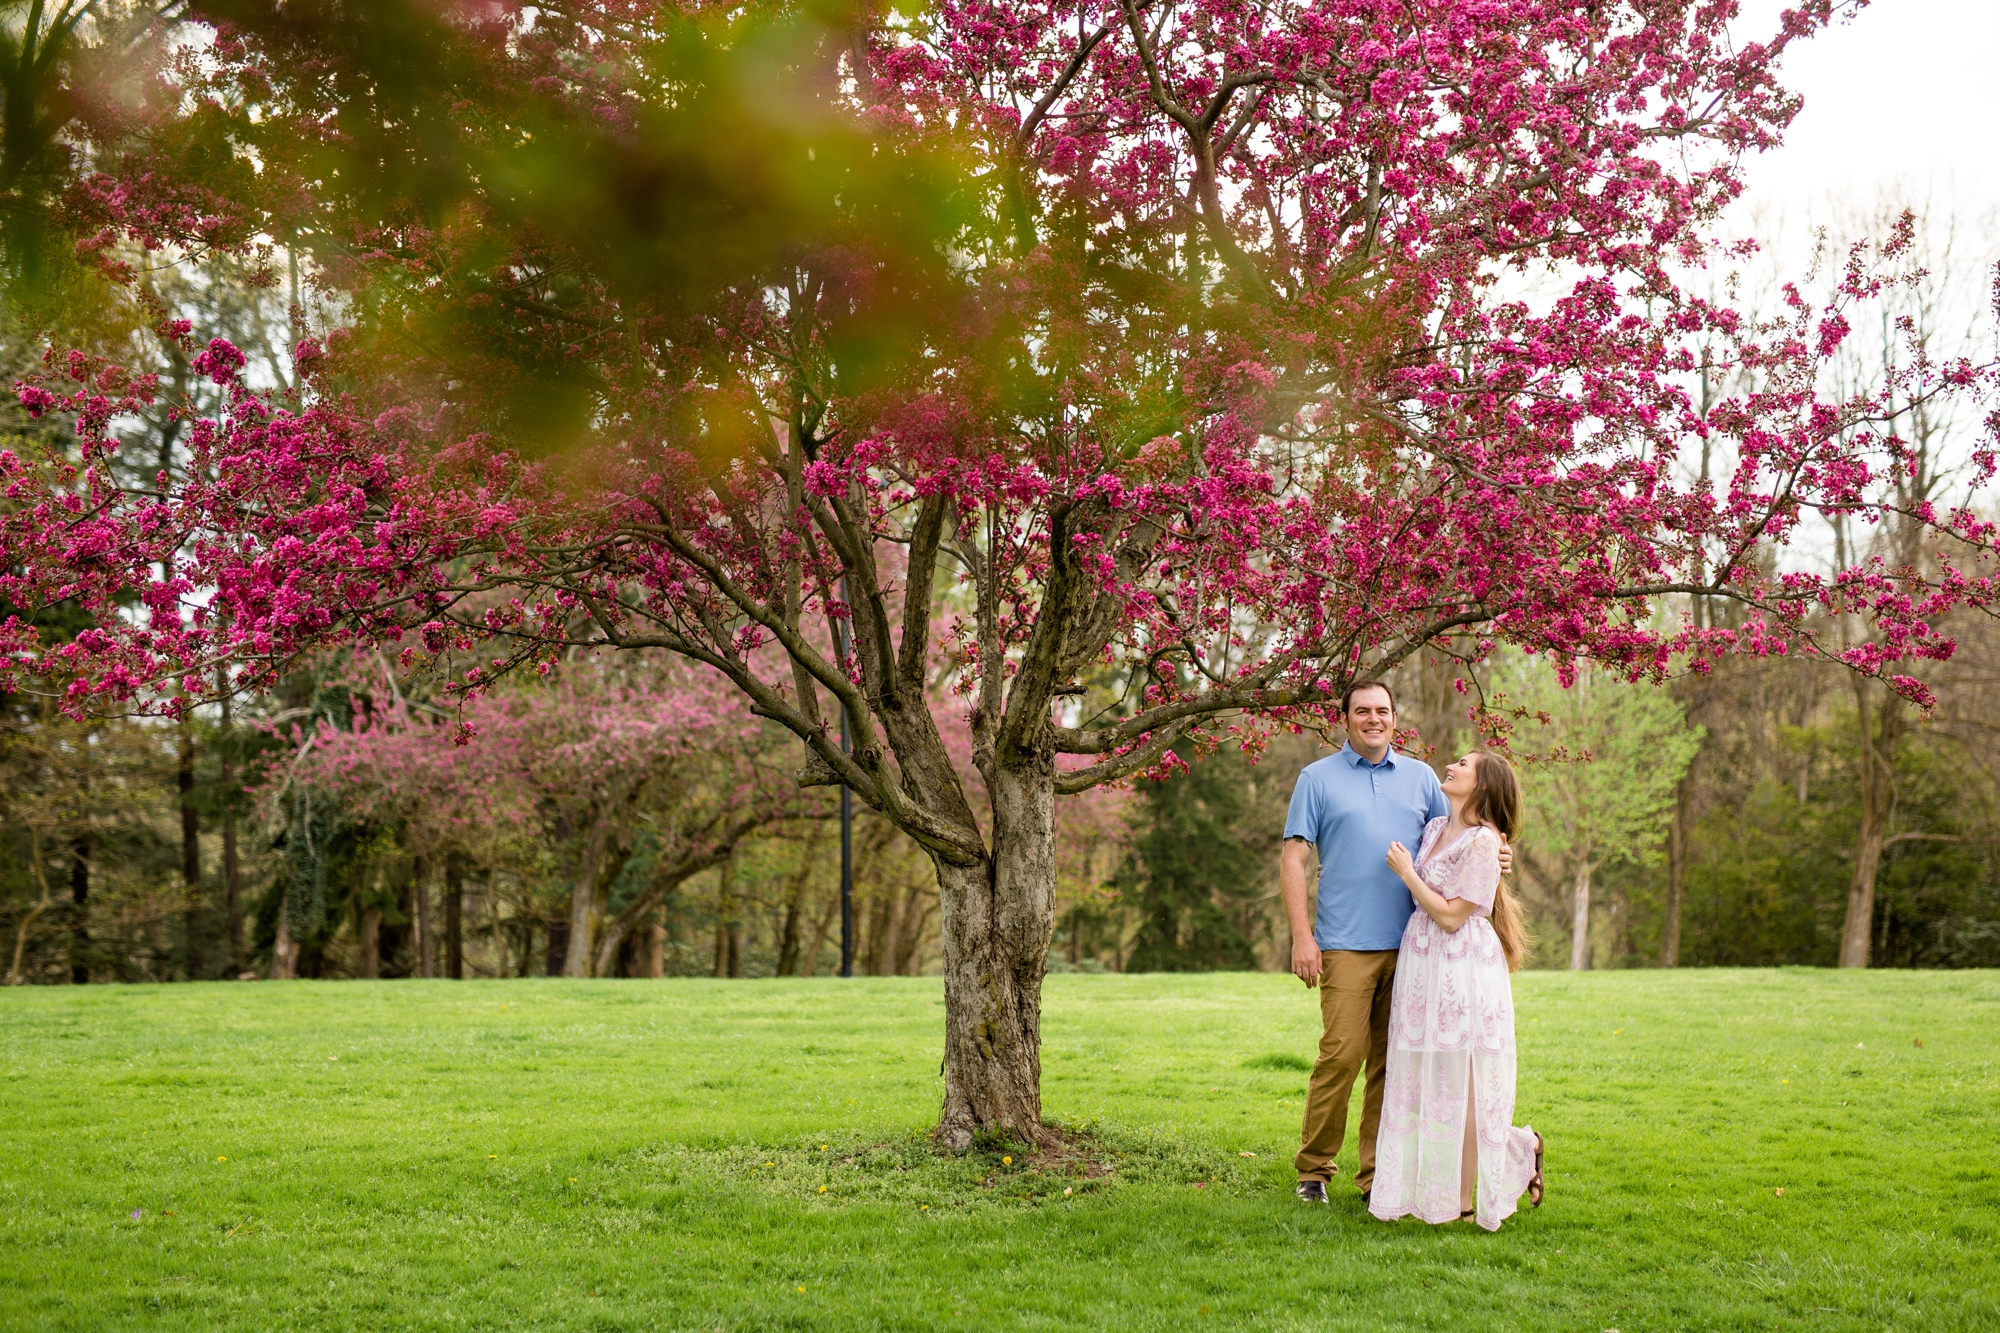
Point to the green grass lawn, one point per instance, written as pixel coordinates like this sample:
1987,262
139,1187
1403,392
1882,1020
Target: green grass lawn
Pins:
749,1155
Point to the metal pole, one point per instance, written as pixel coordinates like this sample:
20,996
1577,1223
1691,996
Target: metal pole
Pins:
846,821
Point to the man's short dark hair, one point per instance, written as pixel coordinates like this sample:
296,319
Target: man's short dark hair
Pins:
1370,683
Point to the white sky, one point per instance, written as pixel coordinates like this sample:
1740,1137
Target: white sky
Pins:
1906,95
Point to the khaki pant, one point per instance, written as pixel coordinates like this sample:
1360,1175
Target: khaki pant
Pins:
1354,990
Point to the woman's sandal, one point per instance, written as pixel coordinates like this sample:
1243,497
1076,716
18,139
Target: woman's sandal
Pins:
1535,1181
1467,1215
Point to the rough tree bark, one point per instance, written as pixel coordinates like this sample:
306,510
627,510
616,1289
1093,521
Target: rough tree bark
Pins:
998,920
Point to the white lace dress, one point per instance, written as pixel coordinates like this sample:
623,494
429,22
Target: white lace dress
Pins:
1451,1041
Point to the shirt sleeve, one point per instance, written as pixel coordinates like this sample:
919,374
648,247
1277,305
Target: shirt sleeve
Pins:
1302,818
1479,873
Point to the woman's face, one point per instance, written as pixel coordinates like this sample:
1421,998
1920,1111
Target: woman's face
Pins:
1462,777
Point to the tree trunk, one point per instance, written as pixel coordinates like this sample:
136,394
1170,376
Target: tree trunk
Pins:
79,896
454,918
190,844
877,952
368,935
284,953
420,890
1579,943
14,975
232,888
998,919
586,905
558,950
1677,854
788,937
1878,799
822,931
655,963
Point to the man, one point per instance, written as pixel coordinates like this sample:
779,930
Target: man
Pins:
1350,806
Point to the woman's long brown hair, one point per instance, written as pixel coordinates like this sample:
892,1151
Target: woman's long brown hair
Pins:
1496,800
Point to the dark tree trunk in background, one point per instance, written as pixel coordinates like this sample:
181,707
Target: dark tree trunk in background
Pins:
454,918
1678,833
558,948
391,934
369,936
728,940
420,919
877,953
788,939
79,896
190,844
232,892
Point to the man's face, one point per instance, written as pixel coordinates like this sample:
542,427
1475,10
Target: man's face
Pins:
1371,719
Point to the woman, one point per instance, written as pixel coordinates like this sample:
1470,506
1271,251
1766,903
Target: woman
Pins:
1447,1109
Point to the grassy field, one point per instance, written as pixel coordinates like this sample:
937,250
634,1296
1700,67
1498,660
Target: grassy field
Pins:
749,1155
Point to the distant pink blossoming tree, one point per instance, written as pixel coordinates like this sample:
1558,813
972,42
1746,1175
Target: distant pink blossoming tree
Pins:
580,761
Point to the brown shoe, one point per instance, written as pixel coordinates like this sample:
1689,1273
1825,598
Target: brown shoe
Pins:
1313,1191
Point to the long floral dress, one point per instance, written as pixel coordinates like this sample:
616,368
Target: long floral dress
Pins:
1451,1032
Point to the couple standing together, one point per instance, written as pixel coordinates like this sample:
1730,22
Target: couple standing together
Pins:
1411,954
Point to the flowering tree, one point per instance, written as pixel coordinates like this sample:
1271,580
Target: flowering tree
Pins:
1174,384
583,760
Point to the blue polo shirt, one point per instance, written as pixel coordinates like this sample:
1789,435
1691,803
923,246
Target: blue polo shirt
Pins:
1351,810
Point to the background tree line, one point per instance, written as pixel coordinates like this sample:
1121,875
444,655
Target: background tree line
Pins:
1774,810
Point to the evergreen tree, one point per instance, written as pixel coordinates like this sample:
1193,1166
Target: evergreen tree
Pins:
1193,871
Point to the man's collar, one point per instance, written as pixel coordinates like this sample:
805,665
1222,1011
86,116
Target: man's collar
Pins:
1359,760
